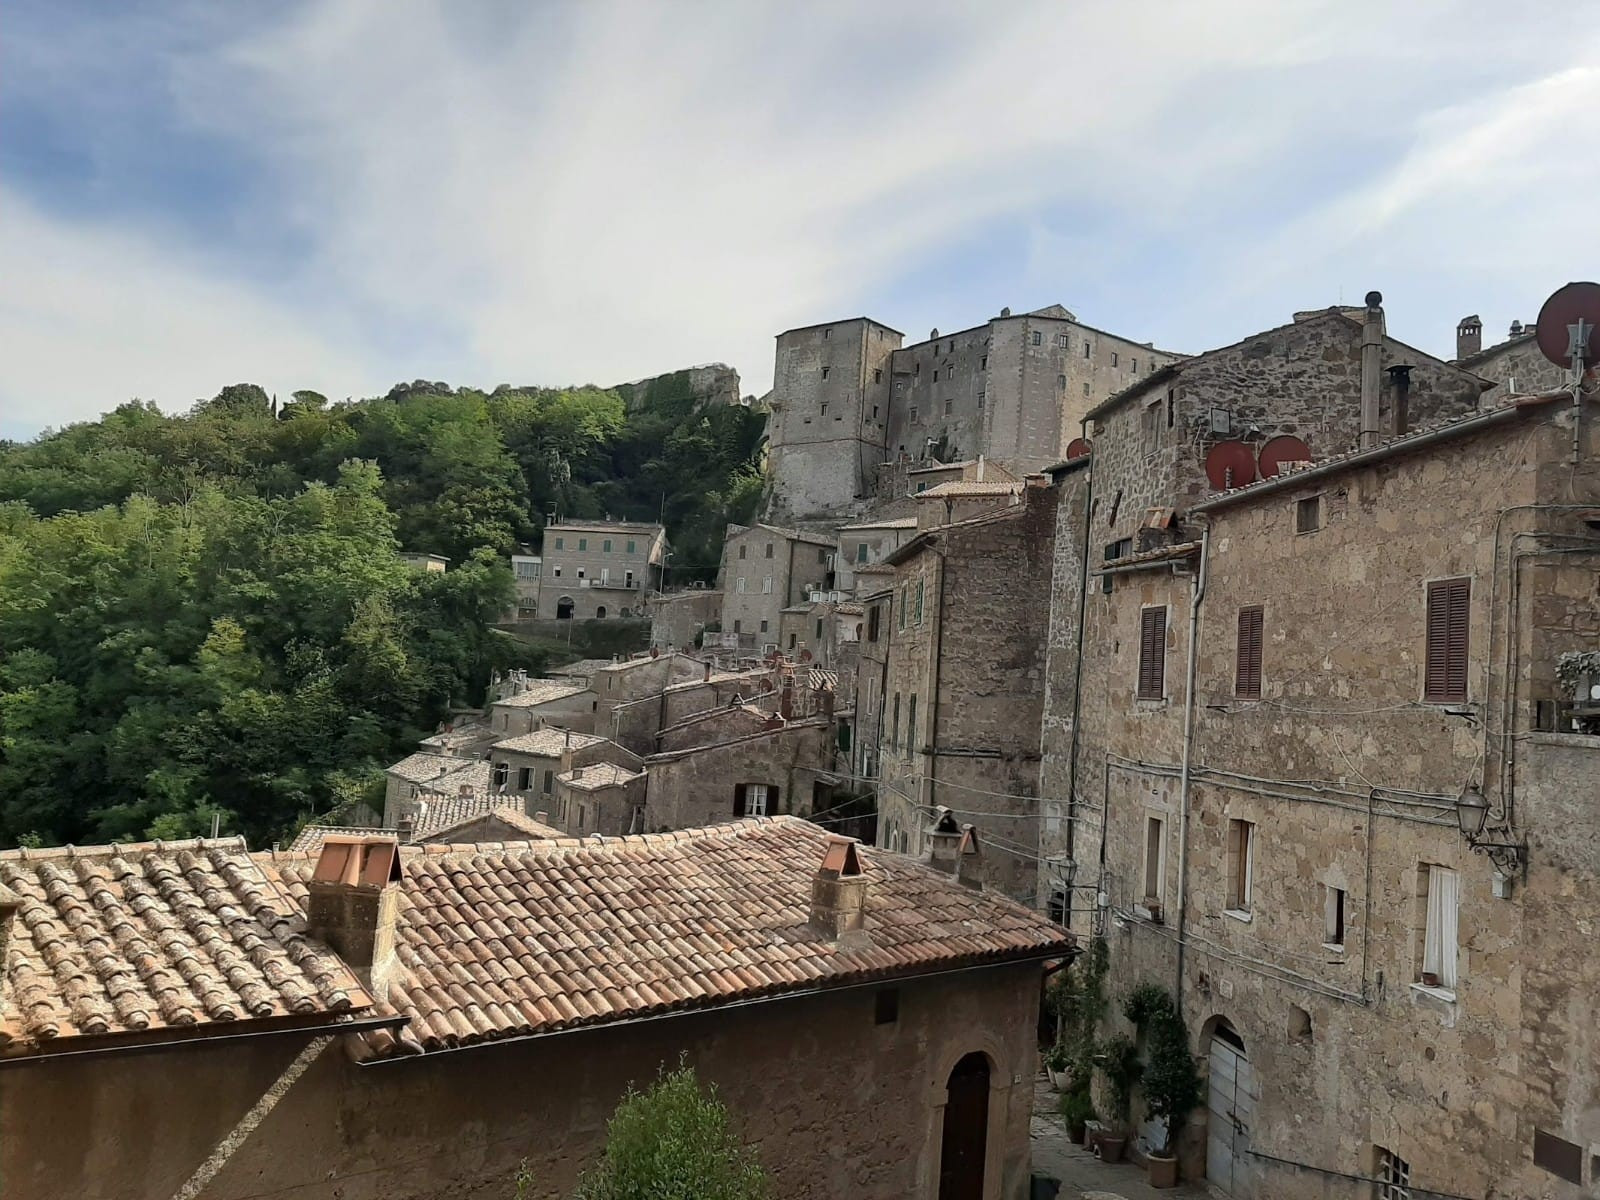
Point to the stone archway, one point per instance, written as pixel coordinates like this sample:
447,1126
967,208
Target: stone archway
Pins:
564,609
947,1071
1231,1095
964,1134
600,613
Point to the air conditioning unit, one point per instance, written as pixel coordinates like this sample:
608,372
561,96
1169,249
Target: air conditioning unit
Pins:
818,597
769,648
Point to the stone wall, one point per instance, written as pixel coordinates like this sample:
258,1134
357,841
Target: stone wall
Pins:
678,617
764,572
610,810
696,787
1517,368
834,1104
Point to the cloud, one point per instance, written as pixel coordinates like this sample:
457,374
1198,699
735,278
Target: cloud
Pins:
596,192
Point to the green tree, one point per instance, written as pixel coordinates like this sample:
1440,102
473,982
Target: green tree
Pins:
673,1142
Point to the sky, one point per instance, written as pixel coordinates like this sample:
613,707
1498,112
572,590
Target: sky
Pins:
347,194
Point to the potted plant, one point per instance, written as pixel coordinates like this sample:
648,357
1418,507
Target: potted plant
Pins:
1173,1088
1077,1110
1119,1063
1056,1065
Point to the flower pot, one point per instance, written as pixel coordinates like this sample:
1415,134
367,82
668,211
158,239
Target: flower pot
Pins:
1077,1131
1163,1170
1430,979
1059,1080
1110,1147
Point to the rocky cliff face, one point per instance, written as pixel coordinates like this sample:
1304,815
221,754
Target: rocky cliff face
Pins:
708,385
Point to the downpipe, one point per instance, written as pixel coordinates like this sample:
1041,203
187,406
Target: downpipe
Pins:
1195,600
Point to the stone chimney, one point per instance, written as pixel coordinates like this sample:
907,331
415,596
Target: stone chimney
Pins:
354,897
1371,370
406,826
839,893
542,817
1469,336
577,774
969,858
944,842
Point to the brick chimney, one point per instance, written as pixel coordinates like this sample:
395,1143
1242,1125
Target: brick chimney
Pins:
354,897
1469,336
944,842
839,893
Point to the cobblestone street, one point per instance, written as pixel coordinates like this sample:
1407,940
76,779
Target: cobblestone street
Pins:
1081,1175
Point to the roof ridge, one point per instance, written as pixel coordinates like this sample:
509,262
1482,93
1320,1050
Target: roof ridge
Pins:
123,849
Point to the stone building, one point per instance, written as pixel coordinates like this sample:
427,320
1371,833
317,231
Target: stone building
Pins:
963,682
1515,366
595,570
786,767
867,543
679,619
765,569
465,818
535,703
525,767
1354,847
526,573
380,1049
626,689
604,797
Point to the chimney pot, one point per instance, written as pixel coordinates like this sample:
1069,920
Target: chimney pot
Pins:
1469,336
839,893
944,842
542,817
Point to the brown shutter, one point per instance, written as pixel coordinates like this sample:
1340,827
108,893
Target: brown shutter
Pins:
1445,676
1247,656
738,799
1152,653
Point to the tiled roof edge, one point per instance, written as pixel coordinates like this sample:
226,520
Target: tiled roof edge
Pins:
159,846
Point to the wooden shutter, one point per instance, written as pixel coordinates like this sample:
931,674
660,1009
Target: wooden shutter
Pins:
1445,677
738,799
1247,656
1153,653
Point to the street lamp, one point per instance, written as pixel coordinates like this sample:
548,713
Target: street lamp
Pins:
1472,817
1472,812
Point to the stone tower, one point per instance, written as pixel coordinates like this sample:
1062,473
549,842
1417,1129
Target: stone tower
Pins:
1469,336
830,414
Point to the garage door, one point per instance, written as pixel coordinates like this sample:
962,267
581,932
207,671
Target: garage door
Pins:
1230,1101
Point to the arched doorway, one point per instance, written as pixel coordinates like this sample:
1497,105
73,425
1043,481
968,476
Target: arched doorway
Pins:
564,609
600,613
964,1147
1230,1108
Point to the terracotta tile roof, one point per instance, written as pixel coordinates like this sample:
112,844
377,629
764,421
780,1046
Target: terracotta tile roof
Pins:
462,737
473,774
598,775
419,767
548,742
542,691
311,836
505,941
437,813
581,669
506,814
888,523
155,939
971,487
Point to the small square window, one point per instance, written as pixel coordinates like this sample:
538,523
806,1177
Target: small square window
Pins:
1308,514
1037,338
886,1007
824,372
763,627
1394,1176
949,406
1241,865
1333,910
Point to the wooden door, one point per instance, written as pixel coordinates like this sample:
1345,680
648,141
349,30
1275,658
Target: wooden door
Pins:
966,1129
1230,1104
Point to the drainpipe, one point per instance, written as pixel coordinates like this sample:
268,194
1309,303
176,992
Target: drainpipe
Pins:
1195,600
1371,364
1077,666
936,645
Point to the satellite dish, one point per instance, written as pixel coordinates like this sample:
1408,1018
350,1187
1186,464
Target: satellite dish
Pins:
1078,448
1230,465
1280,450
655,651
805,656
1577,302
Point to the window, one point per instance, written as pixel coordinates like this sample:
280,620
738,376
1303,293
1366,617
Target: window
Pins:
753,800
1394,1176
791,641
742,550
502,772
627,580
936,374
1241,865
1171,398
916,368
605,546
1154,860
949,406
886,1007
874,412
527,570
1086,389
1036,338
822,556
913,414
919,602
1061,382
1086,347
861,552
738,625
768,551
524,778
905,594
826,333
983,363
549,778
1133,364
1150,427
583,573
911,725
560,543
763,627
1247,654
824,372
877,377
1445,679
980,398
1439,890
1308,514
819,629
766,586
824,408
583,543
1120,548
1061,341
631,544
872,622
580,817
894,729
1113,358
1153,653
1562,1158
1333,900
738,585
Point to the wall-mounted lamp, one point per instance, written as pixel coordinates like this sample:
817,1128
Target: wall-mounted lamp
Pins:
1472,816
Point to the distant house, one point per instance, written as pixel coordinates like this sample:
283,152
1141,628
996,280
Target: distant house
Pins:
600,570
424,562
526,575
869,1020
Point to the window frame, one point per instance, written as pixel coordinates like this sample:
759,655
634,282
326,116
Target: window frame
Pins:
1151,684
1153,869
1241,861
1335,917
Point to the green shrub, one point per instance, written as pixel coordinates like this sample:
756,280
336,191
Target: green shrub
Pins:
1119,1063
1173,1087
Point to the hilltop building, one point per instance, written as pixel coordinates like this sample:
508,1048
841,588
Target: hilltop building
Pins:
595,570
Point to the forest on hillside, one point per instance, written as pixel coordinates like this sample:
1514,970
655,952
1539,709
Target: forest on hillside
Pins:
203,616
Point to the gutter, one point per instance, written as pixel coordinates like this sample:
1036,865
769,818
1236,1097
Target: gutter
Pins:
936,645
1196,599
366,1025
883,981
1077,669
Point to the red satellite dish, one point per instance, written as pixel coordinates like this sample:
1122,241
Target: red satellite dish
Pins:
1078,448
1230,465
1567,306
1280,450
655,651
805,656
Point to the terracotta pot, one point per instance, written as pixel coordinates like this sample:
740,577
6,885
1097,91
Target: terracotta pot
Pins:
1429,979
1110,1147
1163,1170
1059,1080
1077,1131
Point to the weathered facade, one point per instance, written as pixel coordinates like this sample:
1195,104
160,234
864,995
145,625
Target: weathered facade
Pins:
963,686
867,543
540,702
765,569
1515,366
679,619
599,570
783,769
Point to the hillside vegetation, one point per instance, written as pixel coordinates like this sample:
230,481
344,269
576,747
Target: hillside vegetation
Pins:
204,616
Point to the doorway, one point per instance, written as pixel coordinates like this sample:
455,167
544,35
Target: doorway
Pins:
1230,1105
600,613
564,609
964,1148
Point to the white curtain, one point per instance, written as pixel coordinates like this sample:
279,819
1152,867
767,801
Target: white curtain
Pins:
1439,944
